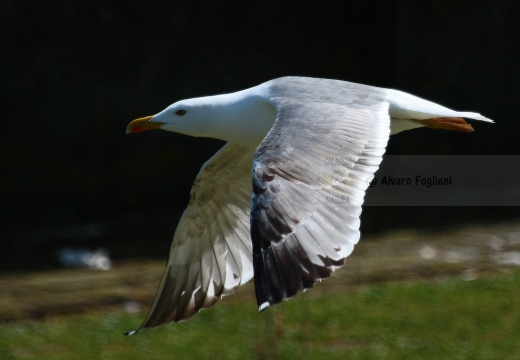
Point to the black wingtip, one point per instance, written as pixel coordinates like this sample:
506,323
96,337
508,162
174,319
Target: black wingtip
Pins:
130,332
263,306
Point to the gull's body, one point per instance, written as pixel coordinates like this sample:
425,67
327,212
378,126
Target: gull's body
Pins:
262,205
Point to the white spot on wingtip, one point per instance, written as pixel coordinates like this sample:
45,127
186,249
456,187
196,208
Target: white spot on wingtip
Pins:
130,333
263,306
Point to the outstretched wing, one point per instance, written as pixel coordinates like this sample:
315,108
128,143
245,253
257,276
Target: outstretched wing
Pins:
309,179
211,251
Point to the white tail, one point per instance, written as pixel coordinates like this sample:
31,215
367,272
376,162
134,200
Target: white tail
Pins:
406,106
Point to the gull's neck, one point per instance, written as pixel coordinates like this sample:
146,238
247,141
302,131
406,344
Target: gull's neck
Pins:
243,117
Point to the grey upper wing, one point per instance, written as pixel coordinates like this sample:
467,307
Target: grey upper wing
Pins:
211,250
309,178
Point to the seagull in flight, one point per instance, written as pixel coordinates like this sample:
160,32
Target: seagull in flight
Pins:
260,207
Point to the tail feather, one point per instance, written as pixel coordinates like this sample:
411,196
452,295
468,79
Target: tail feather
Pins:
407,106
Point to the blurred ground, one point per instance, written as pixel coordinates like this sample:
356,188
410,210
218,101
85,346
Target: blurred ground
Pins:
465,251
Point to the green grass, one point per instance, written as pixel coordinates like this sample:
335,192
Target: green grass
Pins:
436,319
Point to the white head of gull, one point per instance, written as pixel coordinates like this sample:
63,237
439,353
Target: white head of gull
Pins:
259,207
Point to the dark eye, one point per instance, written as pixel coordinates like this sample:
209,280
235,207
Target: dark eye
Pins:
180,112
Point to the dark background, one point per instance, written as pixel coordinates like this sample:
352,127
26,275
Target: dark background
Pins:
74,73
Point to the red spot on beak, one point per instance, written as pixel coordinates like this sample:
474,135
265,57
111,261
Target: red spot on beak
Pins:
137,129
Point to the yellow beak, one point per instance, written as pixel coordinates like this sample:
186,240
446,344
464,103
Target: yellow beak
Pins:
142,124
